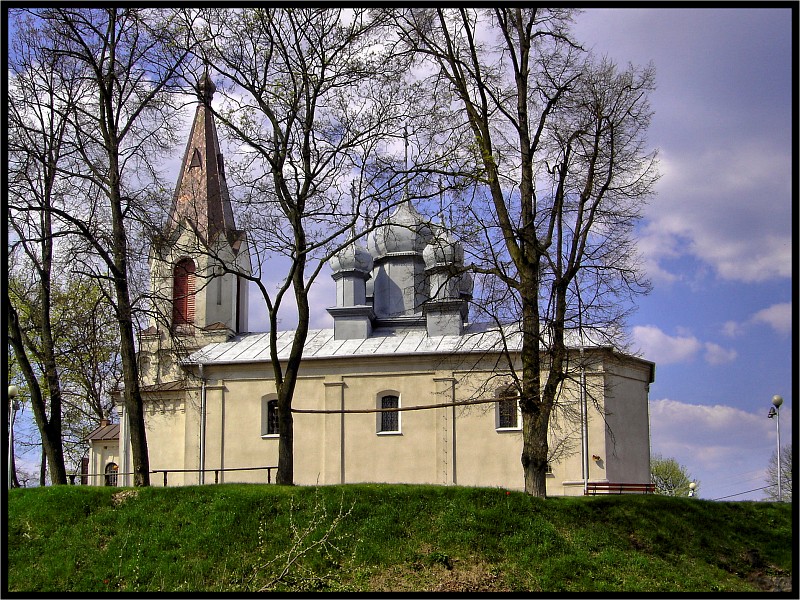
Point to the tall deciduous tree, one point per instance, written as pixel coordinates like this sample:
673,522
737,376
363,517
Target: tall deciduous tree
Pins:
43,92
124,120
311,97
560,173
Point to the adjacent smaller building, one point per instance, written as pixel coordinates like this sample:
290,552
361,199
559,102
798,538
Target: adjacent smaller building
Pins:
103,464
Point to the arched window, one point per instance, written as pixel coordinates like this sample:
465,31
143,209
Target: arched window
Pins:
183,289
388,422
111,474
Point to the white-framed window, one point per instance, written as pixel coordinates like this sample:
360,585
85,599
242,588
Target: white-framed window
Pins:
507,412
388,422
269,416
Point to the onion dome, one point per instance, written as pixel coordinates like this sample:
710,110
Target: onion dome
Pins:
466,284
443,251
353,257
404,231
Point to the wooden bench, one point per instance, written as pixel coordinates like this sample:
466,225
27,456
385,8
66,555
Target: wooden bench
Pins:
592,489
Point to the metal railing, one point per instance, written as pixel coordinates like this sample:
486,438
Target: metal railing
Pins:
165,472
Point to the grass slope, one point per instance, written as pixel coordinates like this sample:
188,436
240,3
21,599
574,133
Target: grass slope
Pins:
387,537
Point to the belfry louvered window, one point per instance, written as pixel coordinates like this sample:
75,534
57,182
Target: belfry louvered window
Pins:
183,293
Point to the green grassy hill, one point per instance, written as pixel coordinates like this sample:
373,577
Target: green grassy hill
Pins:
388,537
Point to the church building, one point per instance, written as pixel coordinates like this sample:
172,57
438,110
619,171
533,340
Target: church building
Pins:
401,339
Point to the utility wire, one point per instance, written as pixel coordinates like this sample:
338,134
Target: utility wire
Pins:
740,493
743,479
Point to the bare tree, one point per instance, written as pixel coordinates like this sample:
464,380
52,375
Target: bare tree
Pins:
785,474
559,171
42,98
311,98
124,120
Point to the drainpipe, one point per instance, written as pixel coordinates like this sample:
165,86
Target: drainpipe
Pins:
584,427
202,425
584,408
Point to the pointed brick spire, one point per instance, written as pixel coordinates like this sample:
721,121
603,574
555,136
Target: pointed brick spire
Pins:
201,195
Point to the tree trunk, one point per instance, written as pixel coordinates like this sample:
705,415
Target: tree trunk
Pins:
130,371
534,452
285,475
286,393
14,478
133,406
535,411
51,437
43,468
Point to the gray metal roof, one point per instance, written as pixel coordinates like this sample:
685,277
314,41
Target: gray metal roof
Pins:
320,344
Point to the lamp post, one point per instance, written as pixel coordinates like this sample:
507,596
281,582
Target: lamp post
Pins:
692,486
775,411
12,411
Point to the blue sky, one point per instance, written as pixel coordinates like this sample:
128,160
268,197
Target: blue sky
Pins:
717,238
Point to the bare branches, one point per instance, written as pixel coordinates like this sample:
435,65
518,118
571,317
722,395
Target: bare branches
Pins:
560,173
317,537
105,113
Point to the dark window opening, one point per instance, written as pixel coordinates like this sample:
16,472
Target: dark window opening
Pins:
272,417
390,421
508,417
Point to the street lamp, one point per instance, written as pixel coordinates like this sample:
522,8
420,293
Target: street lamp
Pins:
775,411
692,486
12,411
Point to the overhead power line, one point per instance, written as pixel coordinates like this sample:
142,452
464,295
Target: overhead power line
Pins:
315,411
740,493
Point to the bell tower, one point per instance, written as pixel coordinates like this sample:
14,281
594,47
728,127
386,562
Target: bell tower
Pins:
198,260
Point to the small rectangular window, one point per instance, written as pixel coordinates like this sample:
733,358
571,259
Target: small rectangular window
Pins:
269,417
272,417
390,421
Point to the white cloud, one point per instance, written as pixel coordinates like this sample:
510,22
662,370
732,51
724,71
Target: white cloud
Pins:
777,316
728,207
656,245
666,349
717,355
732,329
663,349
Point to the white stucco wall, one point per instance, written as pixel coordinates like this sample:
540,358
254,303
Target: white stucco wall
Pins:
448,445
